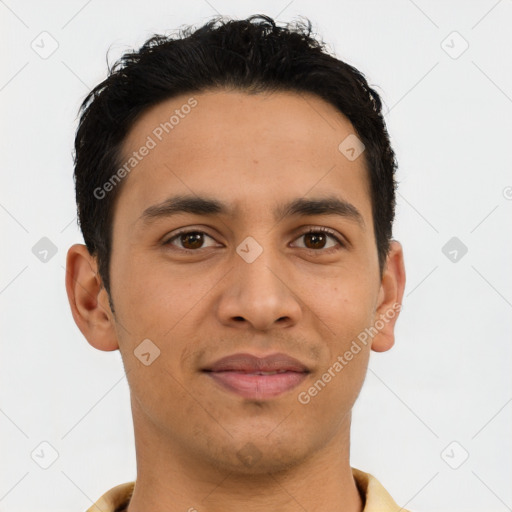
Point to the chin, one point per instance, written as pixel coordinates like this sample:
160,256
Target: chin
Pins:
258,458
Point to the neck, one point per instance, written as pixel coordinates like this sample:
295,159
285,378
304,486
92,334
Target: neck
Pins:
171,479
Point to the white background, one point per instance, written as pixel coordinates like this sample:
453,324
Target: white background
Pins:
447,378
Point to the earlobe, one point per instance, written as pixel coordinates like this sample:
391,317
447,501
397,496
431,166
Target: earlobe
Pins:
390,299
89,300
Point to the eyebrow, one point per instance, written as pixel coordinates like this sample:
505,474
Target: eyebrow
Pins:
211,207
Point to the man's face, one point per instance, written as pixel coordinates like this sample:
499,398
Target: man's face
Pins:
245,280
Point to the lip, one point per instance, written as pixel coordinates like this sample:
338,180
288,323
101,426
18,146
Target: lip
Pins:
248,363
241,374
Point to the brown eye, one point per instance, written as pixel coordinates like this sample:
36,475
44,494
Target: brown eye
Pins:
188,240
192,240
316,239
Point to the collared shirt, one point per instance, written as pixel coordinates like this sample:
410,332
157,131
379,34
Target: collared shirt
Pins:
375,497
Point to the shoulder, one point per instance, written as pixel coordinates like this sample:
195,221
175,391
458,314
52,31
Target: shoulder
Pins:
376,498
114,500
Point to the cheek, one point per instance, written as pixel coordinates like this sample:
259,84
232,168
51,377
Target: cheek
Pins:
150,299
344,304
343,315
325,403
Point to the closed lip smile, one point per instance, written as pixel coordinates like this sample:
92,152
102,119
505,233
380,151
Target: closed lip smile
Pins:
256,377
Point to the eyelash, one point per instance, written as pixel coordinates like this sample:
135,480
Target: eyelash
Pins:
323,230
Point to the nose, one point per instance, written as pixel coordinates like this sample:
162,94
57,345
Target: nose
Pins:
259,294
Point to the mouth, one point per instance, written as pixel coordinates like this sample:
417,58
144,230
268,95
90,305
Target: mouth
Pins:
257,378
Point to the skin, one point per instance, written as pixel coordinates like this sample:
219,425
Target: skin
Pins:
253,152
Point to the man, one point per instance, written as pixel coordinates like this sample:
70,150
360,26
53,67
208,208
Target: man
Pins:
235,189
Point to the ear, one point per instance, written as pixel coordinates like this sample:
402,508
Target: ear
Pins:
389,301
89,300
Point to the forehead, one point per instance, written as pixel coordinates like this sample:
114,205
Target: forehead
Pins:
241,148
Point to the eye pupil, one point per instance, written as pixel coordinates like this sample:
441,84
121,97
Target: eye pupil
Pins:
315,238
195,239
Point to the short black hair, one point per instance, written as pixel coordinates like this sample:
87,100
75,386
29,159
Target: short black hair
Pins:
252,55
